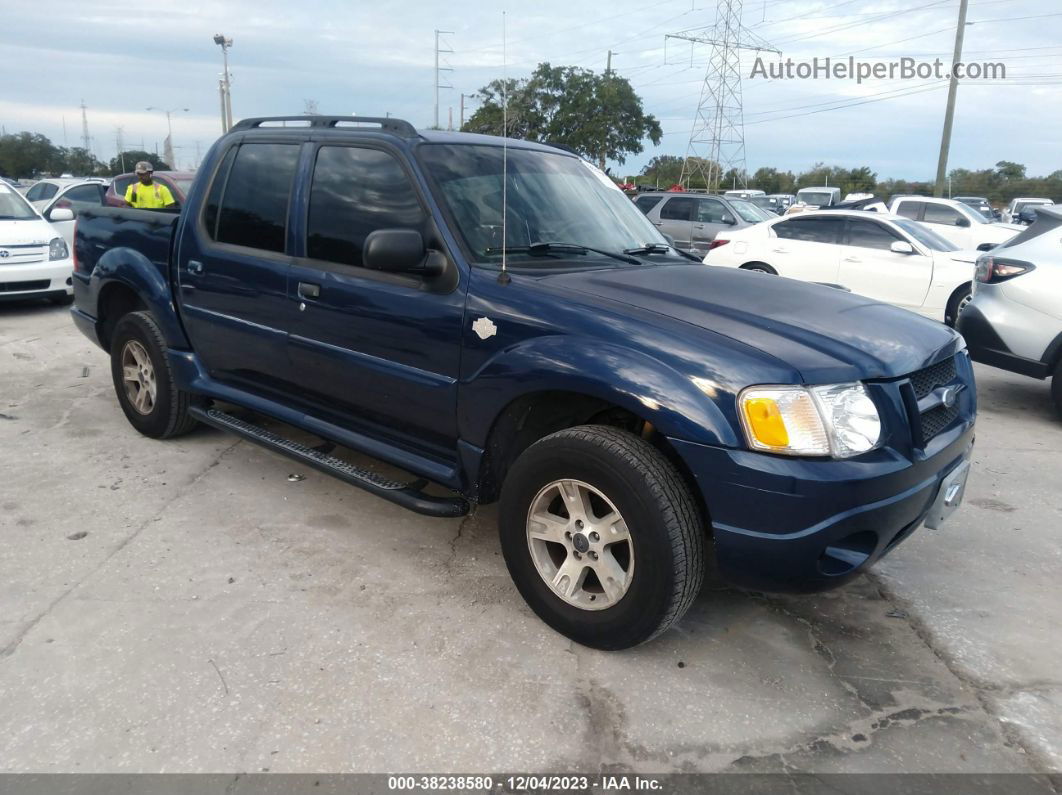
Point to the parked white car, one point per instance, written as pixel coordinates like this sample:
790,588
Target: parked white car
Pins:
885,257
69,194
35,261
960,223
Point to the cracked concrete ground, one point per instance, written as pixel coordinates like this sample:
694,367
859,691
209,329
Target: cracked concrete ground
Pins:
183,606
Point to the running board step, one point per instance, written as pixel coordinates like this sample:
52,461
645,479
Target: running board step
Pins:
408,495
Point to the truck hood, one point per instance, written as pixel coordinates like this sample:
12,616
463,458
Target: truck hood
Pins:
28,232
827,335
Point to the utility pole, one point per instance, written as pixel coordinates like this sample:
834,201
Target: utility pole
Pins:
608,65
438,69
167,151
949,113
462,117
225,86
86,141
719,123
120,146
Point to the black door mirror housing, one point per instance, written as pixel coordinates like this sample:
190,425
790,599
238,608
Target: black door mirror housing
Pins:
962,222
394,251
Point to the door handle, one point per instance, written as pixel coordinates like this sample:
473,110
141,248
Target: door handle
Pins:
852,259
698,226
309,291
195,267
657,223
781,251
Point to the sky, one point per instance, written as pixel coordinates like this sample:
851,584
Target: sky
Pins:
376,58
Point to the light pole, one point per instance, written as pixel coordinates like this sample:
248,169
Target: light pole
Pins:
225,86
168,146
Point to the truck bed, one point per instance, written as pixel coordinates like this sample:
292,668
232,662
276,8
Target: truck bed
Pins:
107,229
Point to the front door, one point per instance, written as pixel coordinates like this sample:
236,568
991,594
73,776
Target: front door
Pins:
869,267
675,219
379,350
233,260
806,247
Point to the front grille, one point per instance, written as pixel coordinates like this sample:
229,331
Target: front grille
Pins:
23,254
937,419
934,420
18,287
939,374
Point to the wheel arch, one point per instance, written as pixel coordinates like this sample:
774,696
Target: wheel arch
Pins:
753,264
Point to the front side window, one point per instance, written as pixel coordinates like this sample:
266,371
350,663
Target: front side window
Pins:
254,205
870,234
926,236
710,211
355,192
909,209
940,214
817,229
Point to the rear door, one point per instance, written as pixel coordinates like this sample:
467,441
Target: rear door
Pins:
869,267
806,247
676,219
948,222
379,350
232,266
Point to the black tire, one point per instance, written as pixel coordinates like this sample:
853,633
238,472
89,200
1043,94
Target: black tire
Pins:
168,416
61,300
1056,388
759,267
665,526
951,314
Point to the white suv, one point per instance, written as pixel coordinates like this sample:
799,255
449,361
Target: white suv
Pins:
1014,321
960,223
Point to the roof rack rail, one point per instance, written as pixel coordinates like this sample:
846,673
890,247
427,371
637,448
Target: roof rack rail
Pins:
389,124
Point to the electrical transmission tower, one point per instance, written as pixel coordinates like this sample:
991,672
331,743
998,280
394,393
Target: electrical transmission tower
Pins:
717,140
86,140
439,69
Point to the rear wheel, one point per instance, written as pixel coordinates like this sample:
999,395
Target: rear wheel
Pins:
601,536
143,380
1056,388
759,267
958,302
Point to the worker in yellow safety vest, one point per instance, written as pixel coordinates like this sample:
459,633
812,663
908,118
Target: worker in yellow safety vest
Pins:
145,193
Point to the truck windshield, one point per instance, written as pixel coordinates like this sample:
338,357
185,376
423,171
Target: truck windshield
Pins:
13,207
750,212
551,198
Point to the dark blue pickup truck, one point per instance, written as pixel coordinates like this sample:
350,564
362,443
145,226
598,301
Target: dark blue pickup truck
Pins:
497,319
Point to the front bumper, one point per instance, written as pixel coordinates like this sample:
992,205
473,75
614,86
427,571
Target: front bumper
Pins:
801,525
36,280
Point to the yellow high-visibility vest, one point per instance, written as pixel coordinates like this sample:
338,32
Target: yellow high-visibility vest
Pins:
149,197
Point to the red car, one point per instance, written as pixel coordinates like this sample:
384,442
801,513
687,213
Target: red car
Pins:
177,181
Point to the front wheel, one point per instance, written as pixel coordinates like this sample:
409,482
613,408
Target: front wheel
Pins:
144,381
958,302
601,536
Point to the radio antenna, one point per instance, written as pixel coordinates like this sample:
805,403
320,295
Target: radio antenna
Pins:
503,277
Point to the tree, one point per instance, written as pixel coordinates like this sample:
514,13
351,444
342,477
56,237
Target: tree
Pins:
666,170
27,154
1008,170
131,157
599,116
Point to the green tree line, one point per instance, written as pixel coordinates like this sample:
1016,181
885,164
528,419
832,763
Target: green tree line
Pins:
34,155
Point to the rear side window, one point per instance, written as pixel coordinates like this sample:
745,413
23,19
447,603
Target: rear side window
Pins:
355,192
254,204
870,234
647,203
909,210
85,194
679,208
819,229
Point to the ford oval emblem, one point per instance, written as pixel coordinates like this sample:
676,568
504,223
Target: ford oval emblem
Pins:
949,397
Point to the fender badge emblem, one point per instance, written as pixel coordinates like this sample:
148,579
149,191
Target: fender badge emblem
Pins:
484,328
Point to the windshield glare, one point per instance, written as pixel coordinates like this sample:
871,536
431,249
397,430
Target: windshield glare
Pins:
13,207
750,212
926,236
551,198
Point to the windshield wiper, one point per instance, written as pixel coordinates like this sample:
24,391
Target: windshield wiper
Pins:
536,249
649,248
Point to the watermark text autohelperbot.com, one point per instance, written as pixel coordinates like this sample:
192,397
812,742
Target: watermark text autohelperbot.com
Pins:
851,69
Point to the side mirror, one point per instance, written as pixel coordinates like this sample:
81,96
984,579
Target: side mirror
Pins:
986,246
728,219
962,221
901,247
57,214
670,240
400,251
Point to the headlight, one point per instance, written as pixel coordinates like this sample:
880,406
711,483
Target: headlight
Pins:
57,249
839,420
